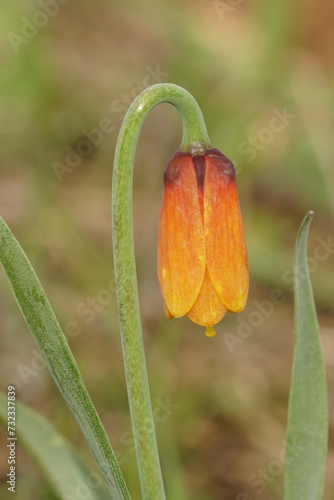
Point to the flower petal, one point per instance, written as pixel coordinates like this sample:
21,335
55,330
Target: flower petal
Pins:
226,253
181,244
208,309
168,314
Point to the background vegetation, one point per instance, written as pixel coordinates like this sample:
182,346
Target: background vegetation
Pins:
221,404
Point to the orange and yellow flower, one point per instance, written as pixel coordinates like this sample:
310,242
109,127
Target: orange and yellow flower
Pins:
202,258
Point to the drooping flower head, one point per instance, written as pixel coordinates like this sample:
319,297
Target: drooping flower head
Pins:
202,258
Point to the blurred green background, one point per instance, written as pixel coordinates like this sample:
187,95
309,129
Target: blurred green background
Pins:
262,73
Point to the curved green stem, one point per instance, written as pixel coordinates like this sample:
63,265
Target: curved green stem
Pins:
195,140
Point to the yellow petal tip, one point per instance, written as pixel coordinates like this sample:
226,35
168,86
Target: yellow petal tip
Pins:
168,314
209,332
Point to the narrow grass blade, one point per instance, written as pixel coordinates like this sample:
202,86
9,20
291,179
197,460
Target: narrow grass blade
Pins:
59,359
308,419
62,467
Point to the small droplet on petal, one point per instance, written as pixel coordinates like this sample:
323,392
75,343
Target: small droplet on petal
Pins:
209,332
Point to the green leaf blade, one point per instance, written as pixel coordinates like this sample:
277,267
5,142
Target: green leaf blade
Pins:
62,467
308,414
59,359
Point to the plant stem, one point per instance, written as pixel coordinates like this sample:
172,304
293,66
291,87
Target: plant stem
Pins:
195,140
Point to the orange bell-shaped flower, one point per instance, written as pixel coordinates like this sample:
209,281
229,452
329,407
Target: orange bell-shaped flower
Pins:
202,257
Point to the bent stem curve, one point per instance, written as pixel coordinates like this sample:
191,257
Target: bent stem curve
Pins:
195,140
